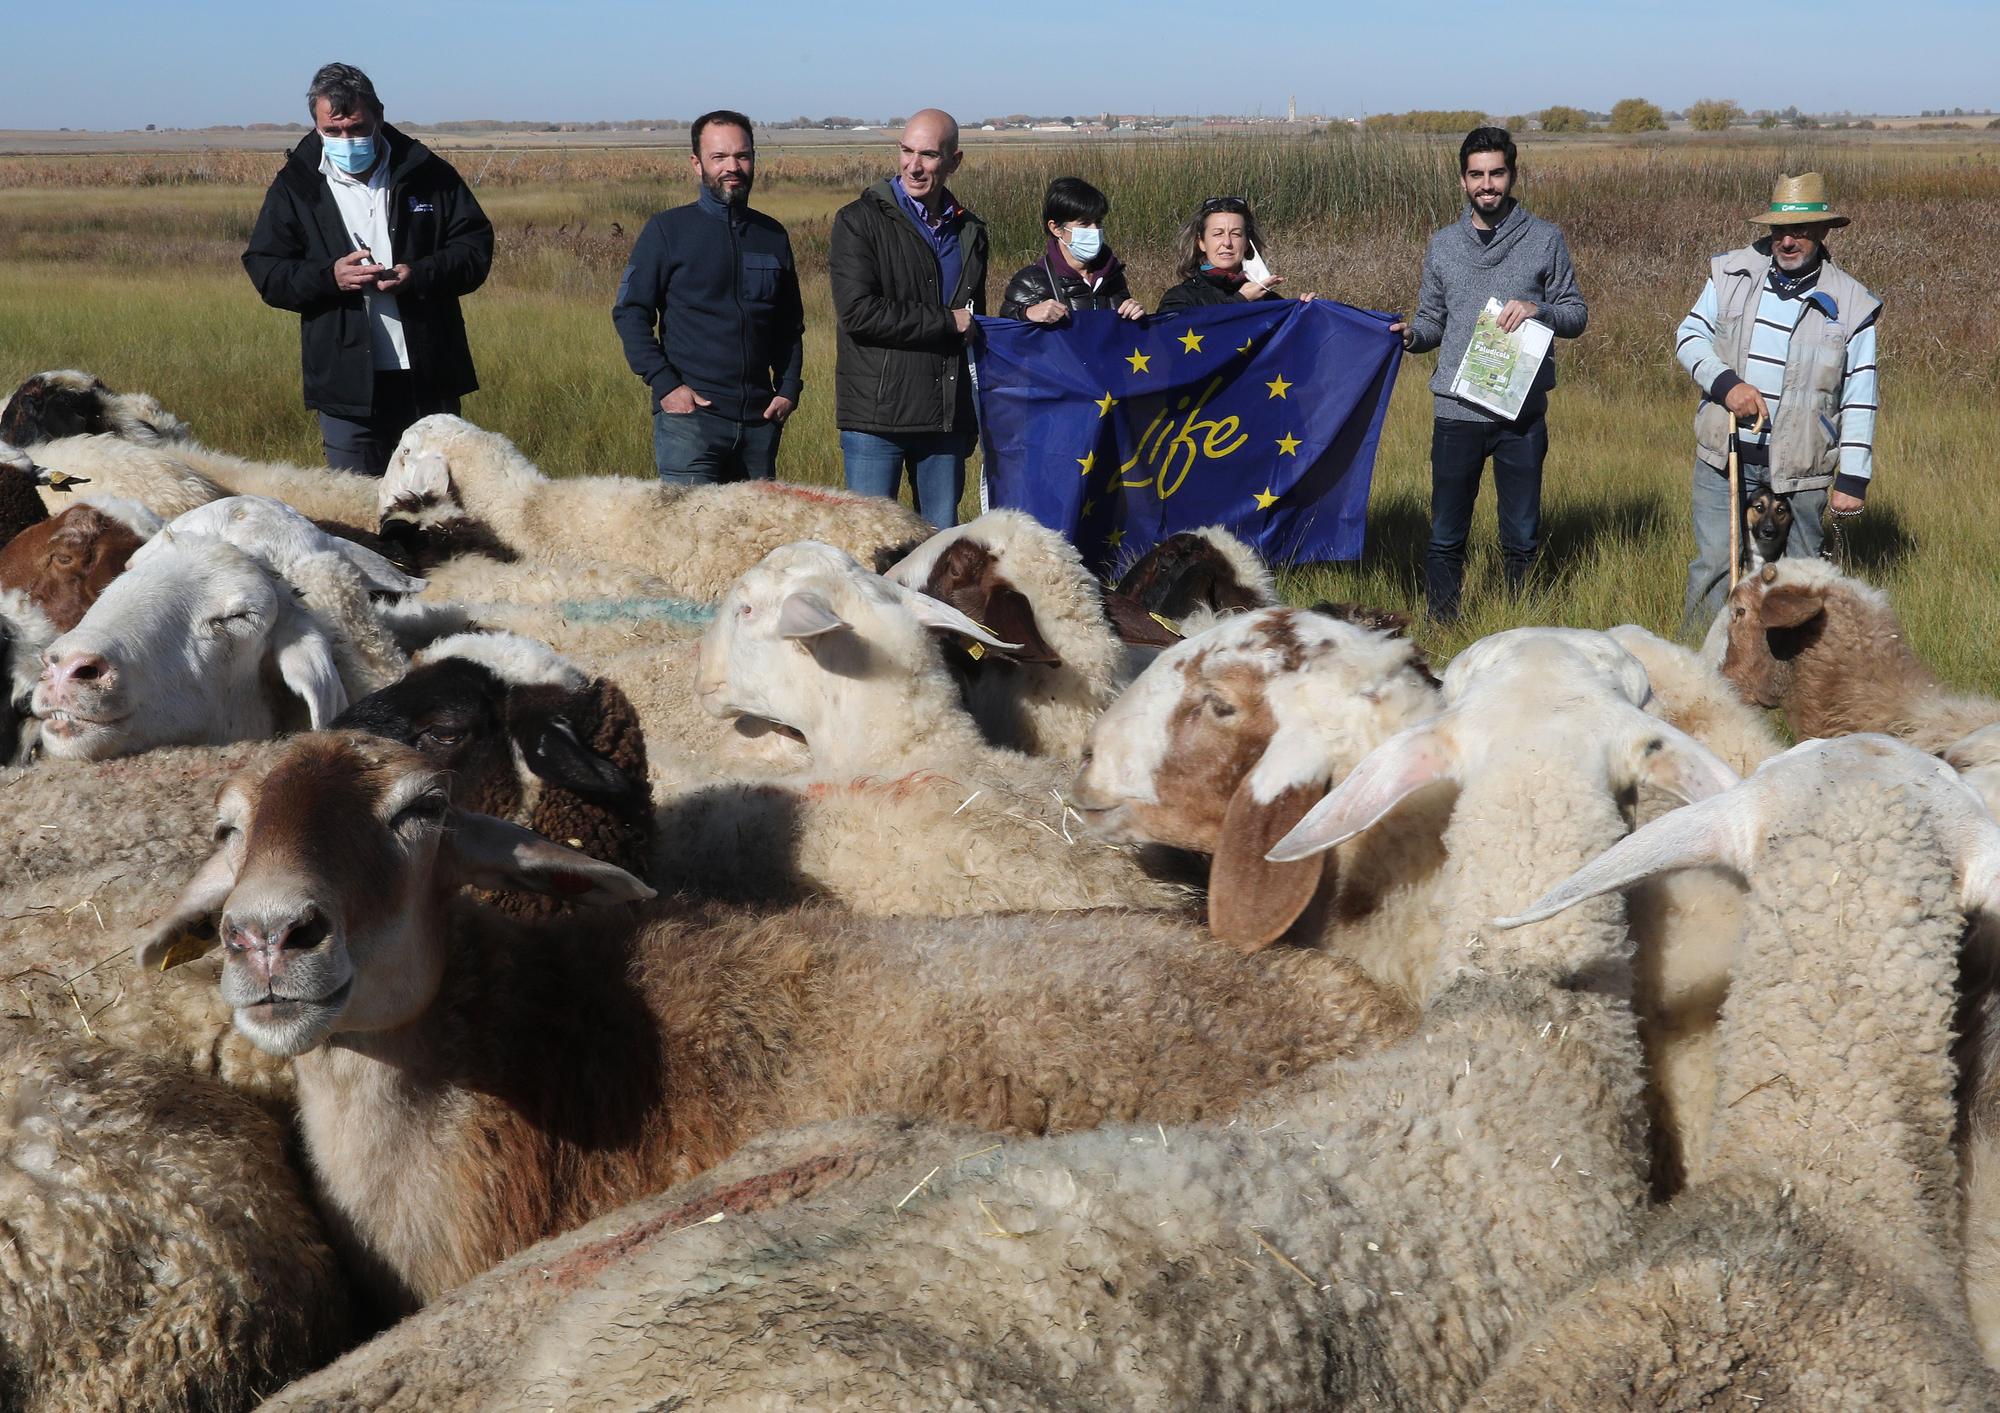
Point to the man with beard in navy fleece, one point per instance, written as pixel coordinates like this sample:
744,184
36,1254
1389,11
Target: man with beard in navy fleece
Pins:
710,315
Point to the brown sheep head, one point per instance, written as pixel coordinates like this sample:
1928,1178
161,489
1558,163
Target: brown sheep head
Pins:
1770,624
1228,739
63,564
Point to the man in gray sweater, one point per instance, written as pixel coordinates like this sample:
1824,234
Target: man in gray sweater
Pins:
1494,250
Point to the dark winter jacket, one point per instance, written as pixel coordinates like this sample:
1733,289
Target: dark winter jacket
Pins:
901,360
1200,289
1033,284
710,299
435,227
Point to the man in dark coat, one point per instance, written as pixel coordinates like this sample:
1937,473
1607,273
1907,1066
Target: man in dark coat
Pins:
370,238
908,266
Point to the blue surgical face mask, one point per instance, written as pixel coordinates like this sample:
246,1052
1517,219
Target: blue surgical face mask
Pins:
1085,243
353,155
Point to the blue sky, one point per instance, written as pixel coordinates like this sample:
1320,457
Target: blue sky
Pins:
119,63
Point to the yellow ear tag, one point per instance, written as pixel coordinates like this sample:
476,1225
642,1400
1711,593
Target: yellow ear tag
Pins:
191,944
976,651
62,480
1168,624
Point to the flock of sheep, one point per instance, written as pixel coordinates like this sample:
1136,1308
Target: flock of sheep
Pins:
472,940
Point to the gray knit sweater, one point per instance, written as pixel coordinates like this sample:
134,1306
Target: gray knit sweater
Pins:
1526,259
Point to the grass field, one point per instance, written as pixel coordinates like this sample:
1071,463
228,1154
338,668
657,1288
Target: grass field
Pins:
128,267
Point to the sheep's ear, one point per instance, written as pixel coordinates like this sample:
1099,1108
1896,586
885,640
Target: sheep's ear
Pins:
377,572
1789,605
1675,762
806,614
1386,776
1719,830
934,614
483,852
553,750
307,666
187,931
1252,901
425,474
1008,615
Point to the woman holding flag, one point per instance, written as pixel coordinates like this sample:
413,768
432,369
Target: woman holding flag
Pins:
1077,270
1218,258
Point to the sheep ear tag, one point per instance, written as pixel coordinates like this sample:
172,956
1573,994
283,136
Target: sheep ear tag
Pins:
188,931
59,480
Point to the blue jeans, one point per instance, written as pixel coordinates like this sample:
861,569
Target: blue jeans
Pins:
702,448
364,444
1708,571
936,462
1458,454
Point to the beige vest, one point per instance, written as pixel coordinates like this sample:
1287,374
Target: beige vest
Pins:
1805,432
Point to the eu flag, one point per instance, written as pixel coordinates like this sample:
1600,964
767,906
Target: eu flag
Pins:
1260,417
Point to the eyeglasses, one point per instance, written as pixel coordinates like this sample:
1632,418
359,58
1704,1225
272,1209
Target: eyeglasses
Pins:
1235,205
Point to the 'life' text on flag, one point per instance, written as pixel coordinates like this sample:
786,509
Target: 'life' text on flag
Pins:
1263,418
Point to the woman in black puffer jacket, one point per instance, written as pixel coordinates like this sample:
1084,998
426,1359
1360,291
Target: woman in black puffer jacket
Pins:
1211,251
1077,270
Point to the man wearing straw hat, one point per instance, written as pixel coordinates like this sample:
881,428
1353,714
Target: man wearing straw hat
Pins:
1782,345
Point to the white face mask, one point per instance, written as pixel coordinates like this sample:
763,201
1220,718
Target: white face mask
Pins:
1085,243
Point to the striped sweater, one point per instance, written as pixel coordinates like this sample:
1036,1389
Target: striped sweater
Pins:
1778,315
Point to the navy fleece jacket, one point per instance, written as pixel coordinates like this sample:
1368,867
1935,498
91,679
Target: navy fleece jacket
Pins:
710,299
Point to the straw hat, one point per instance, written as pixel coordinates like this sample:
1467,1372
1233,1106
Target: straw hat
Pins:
1799,201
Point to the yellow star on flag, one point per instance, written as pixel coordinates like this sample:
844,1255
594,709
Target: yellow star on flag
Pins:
1089,506
1138,361
1191,342
1265,500
1105,404
1113,538
1277,386
1086,461
1288,445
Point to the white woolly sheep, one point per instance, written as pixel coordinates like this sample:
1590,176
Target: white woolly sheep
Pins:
128,445
1373,1234
162,1253
1686,923
1013,575
1830,651
905,808
1227,740
181,650
331,893
280,538
696,541
67,402
1814,1259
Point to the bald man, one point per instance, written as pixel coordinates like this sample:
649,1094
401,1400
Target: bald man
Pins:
908,266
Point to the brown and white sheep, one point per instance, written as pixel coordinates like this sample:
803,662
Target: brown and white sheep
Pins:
1831,652
469,1084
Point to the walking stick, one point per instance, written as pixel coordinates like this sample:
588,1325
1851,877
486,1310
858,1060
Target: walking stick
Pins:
1735,509
1736,501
